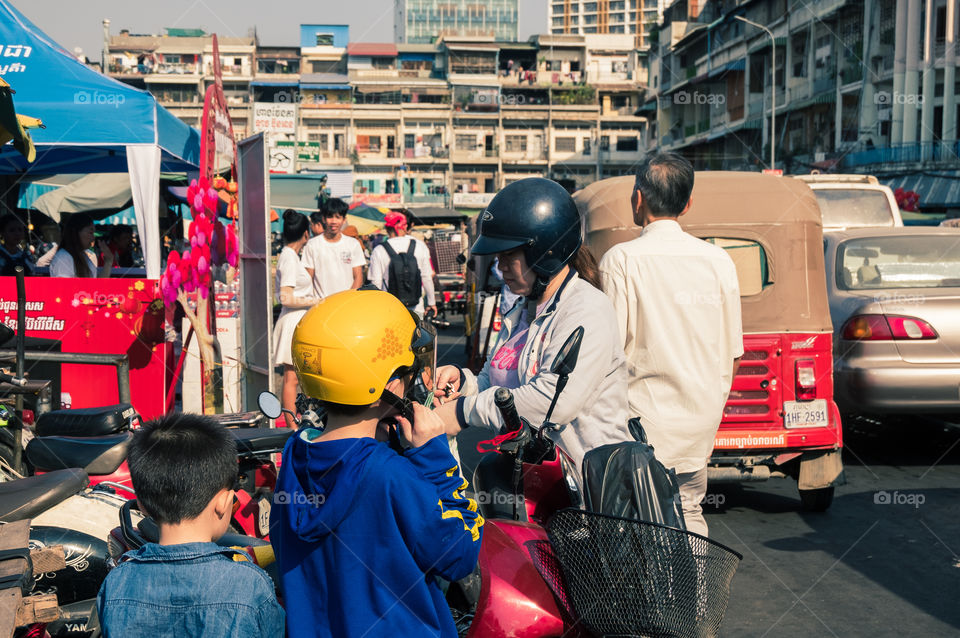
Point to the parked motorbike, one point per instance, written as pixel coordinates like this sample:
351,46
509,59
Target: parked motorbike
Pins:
63,512
98,440
549,567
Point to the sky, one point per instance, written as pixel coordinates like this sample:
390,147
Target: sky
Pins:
75,23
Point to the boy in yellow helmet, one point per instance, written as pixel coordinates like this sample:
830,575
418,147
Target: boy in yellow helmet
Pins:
362,530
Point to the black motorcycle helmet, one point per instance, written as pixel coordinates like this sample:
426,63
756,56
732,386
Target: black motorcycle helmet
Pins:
539,215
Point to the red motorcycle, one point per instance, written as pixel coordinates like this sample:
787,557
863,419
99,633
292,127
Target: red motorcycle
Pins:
550,567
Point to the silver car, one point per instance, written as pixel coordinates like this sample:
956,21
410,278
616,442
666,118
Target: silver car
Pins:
895,305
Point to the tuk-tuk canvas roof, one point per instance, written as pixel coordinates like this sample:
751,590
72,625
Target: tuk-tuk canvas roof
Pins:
780,214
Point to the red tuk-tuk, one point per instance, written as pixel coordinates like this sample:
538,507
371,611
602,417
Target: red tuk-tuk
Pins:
780,418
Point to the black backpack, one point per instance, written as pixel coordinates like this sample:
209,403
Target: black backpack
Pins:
403,280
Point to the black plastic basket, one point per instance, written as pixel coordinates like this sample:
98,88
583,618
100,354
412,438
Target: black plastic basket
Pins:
631,578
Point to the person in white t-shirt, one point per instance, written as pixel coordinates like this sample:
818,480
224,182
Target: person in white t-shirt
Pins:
677,302
334,261
294,290
398,239
74,257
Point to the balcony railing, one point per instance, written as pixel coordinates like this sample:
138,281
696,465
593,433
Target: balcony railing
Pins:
919,152
421,152
460,154
191,68
822,85
851,73
426,198
379,151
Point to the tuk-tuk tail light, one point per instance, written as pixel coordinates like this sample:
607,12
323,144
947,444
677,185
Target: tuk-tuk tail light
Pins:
806,380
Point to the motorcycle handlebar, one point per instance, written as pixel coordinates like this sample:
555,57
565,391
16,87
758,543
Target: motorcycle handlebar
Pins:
503,399
9,378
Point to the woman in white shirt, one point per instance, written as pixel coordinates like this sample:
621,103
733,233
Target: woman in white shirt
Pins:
294,287
74,257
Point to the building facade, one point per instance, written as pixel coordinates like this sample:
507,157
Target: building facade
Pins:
424,21
860,85
635,17
443,124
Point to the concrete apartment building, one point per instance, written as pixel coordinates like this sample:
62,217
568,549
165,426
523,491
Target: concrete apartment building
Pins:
636,17
443,124
425,21
861,85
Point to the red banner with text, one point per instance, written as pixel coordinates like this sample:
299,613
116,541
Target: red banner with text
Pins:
105,316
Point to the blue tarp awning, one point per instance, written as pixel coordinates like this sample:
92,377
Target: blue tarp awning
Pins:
269,83
90,118
937,190
328,87
94,124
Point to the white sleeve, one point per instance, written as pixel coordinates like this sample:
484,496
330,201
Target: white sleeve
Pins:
611,273
375,275
426,273
731,309
287,268
308,259
358,258
62,266
533,398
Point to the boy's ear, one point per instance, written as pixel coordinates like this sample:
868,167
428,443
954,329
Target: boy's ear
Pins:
223,503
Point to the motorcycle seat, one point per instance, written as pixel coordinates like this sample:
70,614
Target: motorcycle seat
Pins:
27,497
97,455
252,440
102,421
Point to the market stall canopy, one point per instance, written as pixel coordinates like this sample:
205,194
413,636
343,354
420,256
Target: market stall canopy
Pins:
94,124
97,194
435,214
90,118
367,212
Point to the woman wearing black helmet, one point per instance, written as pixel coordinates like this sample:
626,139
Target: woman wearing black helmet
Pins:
535,229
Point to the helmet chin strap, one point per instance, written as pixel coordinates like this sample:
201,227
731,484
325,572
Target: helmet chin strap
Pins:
535,296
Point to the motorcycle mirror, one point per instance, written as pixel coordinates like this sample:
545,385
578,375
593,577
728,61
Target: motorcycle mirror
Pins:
566,361
6,333
269,404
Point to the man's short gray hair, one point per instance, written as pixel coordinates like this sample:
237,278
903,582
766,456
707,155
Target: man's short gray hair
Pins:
665,181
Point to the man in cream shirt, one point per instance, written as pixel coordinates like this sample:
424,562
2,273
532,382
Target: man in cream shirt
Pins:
677,300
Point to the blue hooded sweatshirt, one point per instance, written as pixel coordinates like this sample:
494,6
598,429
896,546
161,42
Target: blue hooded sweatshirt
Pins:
361,533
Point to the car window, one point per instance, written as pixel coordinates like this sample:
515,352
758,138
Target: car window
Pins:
908,261
854,208
751,261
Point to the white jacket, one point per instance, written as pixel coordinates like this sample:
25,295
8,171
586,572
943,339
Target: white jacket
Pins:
594,402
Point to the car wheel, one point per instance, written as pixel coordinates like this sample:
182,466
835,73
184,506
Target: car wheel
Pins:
818,500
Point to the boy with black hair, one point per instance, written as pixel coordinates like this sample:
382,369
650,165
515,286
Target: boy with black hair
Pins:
183,468
333,260
363,530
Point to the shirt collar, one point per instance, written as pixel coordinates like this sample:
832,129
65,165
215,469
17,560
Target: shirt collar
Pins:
662,225
184,551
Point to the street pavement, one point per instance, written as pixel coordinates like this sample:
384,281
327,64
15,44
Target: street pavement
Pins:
882,561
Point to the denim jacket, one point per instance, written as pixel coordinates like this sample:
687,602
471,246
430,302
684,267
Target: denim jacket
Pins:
193,589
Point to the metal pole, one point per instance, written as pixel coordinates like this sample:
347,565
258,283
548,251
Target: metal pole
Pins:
17,426
773,100
773,87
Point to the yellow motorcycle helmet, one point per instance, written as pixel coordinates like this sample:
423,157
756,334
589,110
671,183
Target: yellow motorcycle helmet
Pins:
347,347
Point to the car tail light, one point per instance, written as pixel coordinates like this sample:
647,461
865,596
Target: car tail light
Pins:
886,328
806,380
910,328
